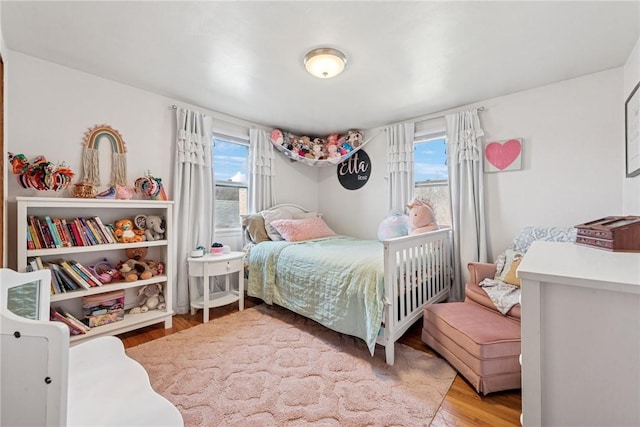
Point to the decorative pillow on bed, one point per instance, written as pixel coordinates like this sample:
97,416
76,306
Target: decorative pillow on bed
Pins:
254,225
297,230
269,217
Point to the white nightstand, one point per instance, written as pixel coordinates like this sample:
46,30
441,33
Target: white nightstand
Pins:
215,265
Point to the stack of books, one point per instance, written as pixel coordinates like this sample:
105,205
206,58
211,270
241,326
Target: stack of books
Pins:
66,275
76,327
48,233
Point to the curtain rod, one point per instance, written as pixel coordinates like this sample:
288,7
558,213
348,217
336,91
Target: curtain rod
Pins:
435,115
230,119
415,120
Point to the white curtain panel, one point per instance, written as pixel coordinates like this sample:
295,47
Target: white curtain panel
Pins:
464,147
400,165
261,167
194,196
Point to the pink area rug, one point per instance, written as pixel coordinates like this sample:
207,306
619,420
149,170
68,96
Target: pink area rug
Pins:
266,366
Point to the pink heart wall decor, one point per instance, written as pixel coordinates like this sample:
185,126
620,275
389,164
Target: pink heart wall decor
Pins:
502,155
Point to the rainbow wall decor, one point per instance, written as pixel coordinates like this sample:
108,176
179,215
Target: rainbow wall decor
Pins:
90,154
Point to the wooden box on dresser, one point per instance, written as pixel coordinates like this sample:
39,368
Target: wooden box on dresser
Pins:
109,211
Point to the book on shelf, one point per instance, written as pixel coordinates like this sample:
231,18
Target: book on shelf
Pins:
30,244
34,236
39,232
104,230
62,232
67,284
90,231
57,241
85,273
77,235
74,320
56,286
71,272
86,233
79,326
74,329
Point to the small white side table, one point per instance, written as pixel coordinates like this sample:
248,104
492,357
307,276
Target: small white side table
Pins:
215,265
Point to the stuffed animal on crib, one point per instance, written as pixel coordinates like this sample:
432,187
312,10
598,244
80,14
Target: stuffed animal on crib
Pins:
421,217
396,224
152,299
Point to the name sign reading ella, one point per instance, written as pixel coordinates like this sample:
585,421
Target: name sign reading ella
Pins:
354,172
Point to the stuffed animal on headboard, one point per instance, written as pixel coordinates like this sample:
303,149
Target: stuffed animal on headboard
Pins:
421,217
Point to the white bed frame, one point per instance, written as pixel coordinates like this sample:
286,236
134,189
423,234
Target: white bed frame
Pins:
417,272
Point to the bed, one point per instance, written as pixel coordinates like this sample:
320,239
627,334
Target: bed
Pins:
366,288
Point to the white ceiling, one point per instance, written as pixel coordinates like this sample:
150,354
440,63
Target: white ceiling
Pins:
405,59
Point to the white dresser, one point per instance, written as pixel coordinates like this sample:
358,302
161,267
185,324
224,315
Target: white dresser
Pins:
580,336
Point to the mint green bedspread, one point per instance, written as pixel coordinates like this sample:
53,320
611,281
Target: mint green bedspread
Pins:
336,281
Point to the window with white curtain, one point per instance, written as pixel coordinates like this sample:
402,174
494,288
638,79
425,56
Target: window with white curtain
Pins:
431,174
231,168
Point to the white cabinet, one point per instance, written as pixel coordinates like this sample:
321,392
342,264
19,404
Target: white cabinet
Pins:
580,336
108,211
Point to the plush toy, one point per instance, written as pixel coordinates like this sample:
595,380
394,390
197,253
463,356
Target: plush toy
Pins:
421,217
396,224
277,137
151,225
132,270
152,299
354,138
333,153
126,233
124,192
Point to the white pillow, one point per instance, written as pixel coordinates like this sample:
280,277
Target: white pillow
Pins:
272,216
305,215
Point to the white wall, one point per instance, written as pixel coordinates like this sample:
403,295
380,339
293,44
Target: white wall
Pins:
572,130
573,161
631,186
49,108
357,212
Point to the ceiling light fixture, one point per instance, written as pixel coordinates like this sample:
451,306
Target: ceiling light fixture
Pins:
325,62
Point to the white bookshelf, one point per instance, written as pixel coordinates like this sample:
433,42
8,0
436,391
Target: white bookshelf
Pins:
109,211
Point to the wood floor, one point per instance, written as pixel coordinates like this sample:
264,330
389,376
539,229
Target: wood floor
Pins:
461,407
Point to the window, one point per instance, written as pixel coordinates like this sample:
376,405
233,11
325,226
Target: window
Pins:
431,175
230,161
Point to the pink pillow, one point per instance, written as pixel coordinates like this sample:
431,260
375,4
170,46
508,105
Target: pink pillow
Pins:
296,230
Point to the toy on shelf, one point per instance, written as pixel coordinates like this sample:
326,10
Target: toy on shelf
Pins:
152,299
151,225
40,174
150,187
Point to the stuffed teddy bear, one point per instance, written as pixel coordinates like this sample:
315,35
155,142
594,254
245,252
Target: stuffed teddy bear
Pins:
132,270
421,217
152,299
125,233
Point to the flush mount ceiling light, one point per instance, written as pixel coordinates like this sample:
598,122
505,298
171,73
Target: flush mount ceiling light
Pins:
325,62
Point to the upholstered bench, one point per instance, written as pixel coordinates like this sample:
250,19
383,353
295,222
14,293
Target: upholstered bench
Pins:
482,344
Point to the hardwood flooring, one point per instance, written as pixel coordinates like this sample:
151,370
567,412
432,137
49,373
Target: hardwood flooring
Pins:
462,406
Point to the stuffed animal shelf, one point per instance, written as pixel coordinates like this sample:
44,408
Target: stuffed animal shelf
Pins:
421,217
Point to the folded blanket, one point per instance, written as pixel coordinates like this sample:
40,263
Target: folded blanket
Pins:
503,295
